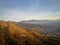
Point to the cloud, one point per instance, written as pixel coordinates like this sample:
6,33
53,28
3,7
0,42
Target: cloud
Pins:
17,15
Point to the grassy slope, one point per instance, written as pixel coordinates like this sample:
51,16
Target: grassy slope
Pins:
10,34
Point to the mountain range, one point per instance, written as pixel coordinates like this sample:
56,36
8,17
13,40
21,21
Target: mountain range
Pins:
43,22
43,26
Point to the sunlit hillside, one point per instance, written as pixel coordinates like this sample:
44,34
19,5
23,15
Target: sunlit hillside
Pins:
11,34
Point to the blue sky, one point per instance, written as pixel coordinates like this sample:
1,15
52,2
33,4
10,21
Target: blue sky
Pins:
17,10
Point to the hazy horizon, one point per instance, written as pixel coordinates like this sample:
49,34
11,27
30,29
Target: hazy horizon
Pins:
17,10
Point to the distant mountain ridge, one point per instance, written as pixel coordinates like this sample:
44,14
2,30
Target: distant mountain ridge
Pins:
44,26
43,22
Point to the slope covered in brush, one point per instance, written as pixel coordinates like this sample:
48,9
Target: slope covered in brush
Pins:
14,35
11,34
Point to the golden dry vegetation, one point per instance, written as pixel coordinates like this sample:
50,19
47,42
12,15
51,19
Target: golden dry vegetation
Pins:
11,34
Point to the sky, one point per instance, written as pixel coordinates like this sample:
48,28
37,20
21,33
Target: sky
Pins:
17,10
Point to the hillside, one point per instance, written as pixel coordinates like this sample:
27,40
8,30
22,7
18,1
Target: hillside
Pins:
11,34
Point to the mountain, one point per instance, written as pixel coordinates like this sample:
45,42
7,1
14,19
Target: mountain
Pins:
12,34
50,27
44,22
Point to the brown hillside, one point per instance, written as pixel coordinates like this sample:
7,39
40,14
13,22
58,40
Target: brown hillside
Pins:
11,34
9,30
37,34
